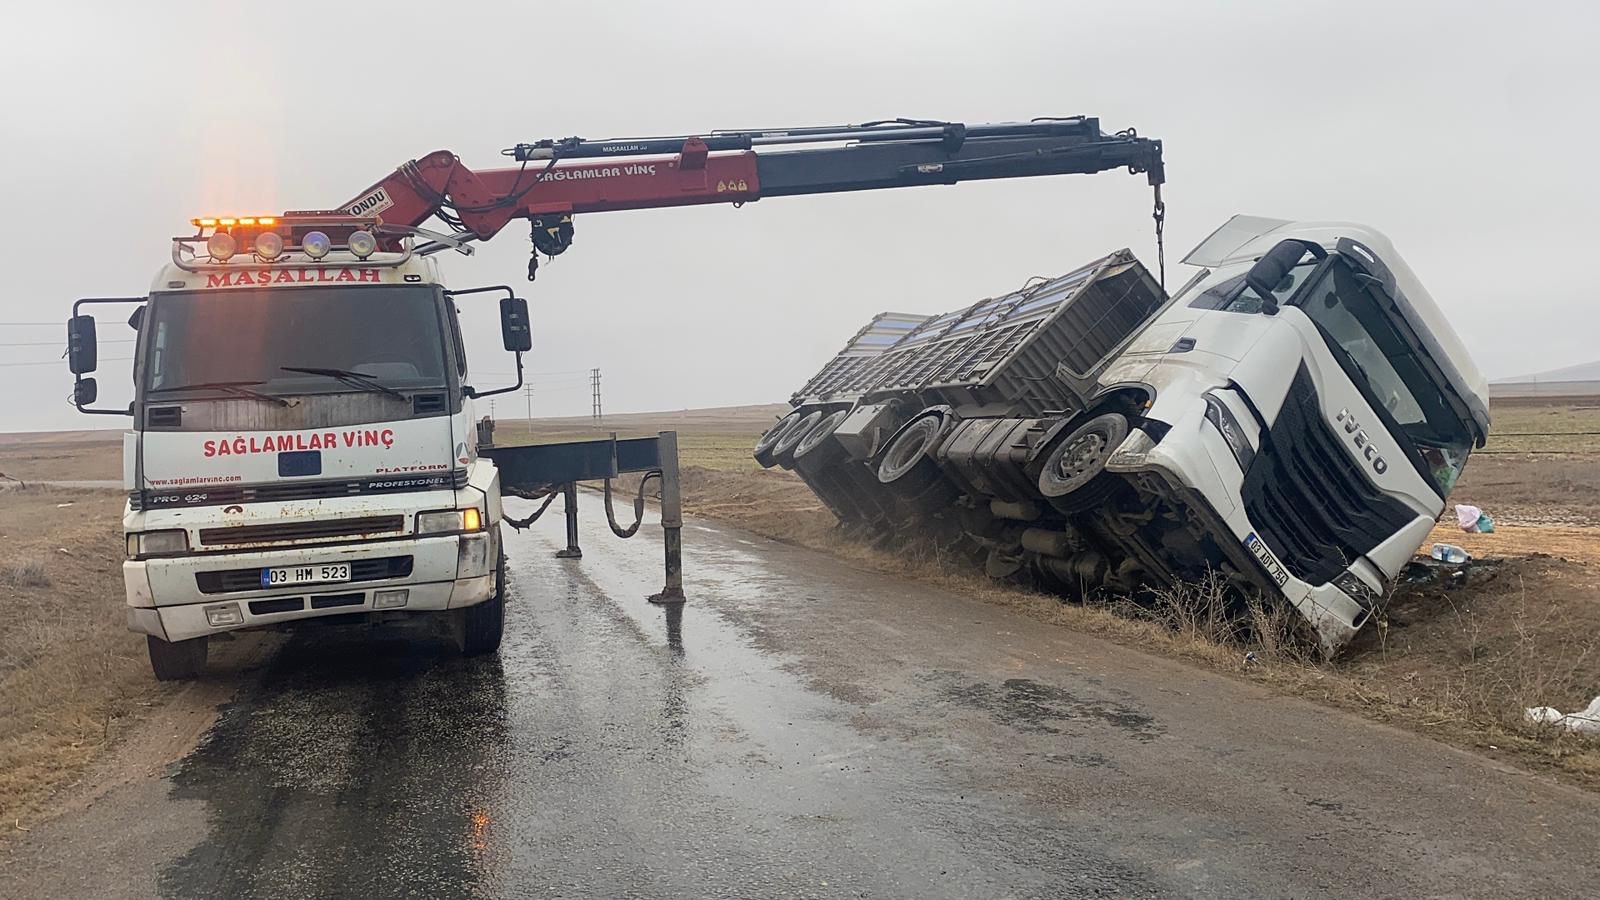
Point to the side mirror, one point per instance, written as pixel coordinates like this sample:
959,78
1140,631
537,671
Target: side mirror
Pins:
85,391
515,329
81,352
1270,270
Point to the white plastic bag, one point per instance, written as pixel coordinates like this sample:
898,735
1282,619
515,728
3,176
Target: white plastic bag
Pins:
1467,517
1585,721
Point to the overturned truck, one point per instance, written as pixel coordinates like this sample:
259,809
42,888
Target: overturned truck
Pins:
1289,423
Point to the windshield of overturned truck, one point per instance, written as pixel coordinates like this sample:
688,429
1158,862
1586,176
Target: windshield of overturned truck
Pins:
292,341
1391,372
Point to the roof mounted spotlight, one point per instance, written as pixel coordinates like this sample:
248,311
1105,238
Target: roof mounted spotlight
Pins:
316,244
221,246
362,244
269,244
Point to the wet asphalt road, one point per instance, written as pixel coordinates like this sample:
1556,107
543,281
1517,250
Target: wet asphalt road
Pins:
800,729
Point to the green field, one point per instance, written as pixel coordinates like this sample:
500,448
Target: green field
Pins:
723,451
1522,426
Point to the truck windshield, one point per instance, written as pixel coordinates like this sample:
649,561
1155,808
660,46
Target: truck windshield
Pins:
391,335
1392,372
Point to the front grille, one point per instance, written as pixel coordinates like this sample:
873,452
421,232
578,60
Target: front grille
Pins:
218,495
230,580
1309,498
278,605
302,530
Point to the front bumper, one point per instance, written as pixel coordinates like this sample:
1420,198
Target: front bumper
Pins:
1196,464
165,597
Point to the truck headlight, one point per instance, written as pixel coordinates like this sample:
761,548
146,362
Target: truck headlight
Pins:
447,521
144,543
1220,416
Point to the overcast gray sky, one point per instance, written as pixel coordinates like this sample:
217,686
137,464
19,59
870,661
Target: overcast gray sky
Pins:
1465,131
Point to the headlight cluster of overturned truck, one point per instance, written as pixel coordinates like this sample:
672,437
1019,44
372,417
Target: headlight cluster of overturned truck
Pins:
1288,424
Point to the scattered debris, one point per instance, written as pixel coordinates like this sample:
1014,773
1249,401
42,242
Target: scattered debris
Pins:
1451,554
1473,520
1585,721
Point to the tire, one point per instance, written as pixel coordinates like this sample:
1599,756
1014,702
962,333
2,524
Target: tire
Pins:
177,660
1074,477
783,450
483,625
815,451
764,447
910,447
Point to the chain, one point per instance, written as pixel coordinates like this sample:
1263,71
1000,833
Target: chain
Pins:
1159,214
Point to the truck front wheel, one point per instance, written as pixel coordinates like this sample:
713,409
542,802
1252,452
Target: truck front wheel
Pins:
177,660
483,624
1074,477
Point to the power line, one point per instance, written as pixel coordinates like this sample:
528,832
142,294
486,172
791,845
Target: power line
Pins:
57,362
60,343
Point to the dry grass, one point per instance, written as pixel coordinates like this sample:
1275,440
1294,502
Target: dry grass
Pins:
72,678
64,460
29,573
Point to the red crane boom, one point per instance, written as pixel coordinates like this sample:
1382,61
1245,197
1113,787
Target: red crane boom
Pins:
556,179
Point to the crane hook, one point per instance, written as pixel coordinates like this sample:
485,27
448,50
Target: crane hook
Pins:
551,235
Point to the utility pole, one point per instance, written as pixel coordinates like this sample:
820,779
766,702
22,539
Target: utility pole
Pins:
594,381
528,390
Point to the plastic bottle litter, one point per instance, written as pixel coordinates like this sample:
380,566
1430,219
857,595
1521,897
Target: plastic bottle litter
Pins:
1449,553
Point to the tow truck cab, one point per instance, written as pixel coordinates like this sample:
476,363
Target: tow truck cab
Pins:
303,444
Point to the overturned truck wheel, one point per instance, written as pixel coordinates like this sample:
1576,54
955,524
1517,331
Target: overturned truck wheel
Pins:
847,486
926,498
1074,478
815,451
764,448
783,448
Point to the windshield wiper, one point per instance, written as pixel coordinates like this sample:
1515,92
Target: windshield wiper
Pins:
359,380
235,388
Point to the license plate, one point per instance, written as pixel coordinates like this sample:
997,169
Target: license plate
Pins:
292,575
1270,562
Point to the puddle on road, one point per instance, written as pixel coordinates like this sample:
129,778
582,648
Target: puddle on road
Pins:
1027,705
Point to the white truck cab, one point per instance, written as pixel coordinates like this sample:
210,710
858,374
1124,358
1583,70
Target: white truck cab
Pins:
1323,420
303,444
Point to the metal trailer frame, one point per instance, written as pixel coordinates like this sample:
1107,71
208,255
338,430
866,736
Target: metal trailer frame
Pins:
557,468
1032,351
